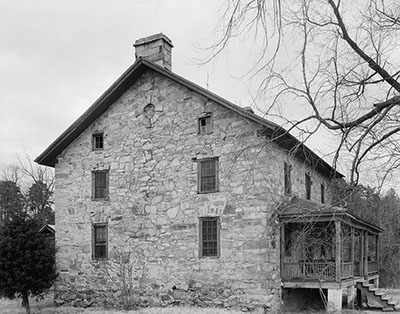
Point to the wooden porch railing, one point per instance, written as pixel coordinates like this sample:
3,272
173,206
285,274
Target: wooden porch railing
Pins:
309,270
291,271
372,267
324,270
347,270
357,269
317,270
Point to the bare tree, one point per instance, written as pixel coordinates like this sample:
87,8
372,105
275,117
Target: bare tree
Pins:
334,59
39,197
35,183
36,172
11,173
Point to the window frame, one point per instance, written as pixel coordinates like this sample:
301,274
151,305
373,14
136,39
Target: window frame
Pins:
96,135
308,184
287,178
217,220
94,187
322,193
95,227
200,164
208,128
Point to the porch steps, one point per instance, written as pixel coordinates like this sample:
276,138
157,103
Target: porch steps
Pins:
372,292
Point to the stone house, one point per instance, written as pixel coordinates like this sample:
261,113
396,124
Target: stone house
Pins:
179,186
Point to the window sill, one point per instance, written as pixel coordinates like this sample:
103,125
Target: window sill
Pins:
207,192
209,257
97,259
106,199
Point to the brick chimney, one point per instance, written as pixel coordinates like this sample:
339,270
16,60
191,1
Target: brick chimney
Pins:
156,48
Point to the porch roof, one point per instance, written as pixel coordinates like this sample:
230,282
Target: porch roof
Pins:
301,210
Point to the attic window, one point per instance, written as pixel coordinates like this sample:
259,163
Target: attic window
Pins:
205,124
98,141
149,111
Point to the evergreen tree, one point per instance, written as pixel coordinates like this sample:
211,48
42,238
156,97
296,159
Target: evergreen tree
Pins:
27,259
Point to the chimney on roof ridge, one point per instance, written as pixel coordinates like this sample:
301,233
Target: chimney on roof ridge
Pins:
155,48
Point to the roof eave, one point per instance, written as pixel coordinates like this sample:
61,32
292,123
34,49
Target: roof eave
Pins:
344,215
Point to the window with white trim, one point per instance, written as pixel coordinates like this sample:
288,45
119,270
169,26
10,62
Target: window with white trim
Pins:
205,124
97,141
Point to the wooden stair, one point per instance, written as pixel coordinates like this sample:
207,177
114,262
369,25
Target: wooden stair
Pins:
379,296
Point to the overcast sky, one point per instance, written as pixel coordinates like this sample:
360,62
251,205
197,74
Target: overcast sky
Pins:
58,57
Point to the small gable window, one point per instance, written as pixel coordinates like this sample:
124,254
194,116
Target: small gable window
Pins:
100,239
209,236
205,124
100,184
308,186
207,175
97,141
287,178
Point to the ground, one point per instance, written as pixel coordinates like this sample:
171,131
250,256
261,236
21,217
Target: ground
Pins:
45,306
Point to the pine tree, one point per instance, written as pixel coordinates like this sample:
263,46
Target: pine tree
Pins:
27,259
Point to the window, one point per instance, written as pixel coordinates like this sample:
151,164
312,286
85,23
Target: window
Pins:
322,193
100,241
205,124
287,180
308,186
97,141
100,184
209,236
207,175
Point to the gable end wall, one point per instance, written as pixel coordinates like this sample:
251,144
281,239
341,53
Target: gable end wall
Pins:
153,208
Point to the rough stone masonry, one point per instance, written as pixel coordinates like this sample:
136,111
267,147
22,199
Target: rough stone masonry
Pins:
153,207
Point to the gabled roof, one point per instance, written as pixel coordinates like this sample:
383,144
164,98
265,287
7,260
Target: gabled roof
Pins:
267,128
301,210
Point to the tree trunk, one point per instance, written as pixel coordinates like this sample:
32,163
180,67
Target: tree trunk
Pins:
25,302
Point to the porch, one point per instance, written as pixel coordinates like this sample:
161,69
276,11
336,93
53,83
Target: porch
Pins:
325,247
327,251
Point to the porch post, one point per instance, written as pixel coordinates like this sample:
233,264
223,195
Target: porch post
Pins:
365,254
338,248
352,250
282,255
361,245
377,254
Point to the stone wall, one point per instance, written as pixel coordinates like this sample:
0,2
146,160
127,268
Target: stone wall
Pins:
153,209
